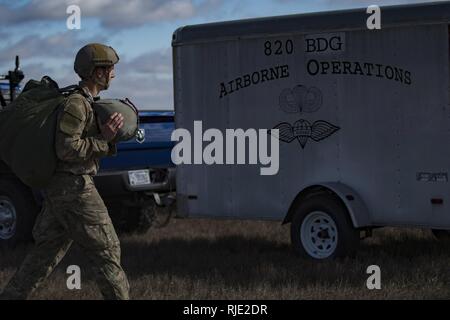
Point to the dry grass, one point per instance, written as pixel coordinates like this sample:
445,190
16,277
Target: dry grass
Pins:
207,259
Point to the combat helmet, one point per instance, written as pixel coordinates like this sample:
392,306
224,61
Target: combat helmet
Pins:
94,55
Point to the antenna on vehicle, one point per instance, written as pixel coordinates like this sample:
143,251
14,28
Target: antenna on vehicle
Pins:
14,77
17,64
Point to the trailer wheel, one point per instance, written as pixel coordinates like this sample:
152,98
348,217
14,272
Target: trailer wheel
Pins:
441,235
321,229
18,212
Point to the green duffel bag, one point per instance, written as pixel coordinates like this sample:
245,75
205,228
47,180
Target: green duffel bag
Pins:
28,127
27,132
104,108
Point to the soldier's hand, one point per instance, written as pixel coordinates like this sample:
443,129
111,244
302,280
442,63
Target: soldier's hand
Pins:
110,128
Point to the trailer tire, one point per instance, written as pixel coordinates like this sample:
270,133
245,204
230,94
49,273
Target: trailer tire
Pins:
322,229
18,211
441,235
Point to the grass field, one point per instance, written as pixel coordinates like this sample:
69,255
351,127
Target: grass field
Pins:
210,259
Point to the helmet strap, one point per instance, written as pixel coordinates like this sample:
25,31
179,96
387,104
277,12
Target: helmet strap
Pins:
104,83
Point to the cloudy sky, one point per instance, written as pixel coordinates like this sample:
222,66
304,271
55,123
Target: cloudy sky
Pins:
140,30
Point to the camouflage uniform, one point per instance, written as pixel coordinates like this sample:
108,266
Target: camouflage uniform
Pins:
73,210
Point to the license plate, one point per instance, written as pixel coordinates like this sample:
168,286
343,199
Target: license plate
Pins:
139,177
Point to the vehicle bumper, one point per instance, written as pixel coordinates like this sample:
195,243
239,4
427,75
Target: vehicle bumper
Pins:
117,184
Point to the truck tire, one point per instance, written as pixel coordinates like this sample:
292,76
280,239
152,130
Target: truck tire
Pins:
139,220
125,218
135,222
322,229
441,235
18,211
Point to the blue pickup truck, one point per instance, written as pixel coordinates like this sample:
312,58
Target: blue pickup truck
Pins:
133,183
141,171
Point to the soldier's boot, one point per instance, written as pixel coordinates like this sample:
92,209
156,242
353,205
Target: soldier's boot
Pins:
36,267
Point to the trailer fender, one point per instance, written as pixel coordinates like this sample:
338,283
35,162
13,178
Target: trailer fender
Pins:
356,207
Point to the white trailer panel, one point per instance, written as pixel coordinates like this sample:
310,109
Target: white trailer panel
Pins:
369,113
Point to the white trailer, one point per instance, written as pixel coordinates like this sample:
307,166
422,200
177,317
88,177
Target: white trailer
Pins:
363,118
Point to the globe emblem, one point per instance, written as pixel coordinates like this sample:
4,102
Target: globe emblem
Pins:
302,130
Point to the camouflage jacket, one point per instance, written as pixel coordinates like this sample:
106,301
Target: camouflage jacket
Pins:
78,140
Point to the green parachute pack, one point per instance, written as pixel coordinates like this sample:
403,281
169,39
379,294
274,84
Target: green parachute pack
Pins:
28,126
105,108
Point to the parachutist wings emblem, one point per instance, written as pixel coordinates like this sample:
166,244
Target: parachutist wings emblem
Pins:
302,130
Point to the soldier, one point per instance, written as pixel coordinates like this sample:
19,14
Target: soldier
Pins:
73,210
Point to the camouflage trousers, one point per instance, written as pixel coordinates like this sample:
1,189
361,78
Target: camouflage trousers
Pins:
73,212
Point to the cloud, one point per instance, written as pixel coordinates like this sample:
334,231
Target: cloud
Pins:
155,62
131,13
60,45
146,80
146,93
36,71
4,36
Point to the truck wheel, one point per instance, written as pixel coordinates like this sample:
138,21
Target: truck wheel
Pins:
18,212
321,229
125,219
141,219
441,235
154,216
